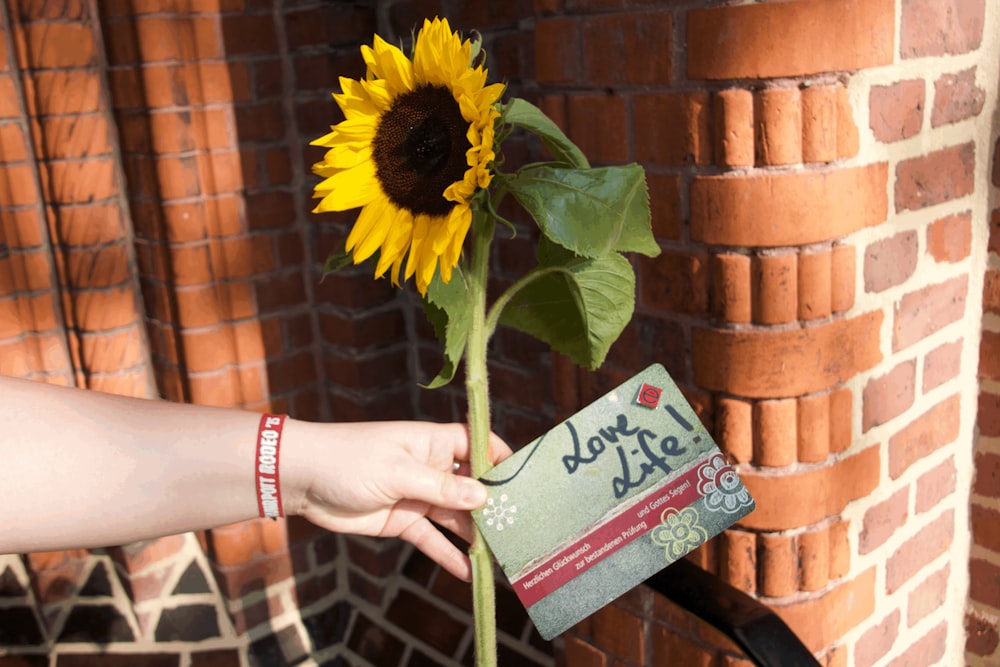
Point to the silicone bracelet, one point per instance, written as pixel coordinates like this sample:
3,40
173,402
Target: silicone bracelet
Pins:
267,478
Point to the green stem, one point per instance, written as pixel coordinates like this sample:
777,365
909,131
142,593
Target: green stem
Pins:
477,390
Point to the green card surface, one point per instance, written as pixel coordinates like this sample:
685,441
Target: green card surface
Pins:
606,499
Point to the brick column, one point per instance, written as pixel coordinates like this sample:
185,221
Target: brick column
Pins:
66,183
811,299
983,631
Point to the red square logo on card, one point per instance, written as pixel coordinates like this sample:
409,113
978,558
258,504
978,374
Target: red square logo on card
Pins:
649,396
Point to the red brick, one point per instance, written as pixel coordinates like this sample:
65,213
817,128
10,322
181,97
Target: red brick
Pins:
672,129
182,38
620,633
26,271
820,119
991,291
106,266
814,559
988,415
778,116
877,641
775,434
888,396
785,209
607,112
68,91
617,48
665,204
941,364
996,181
579,652
928,596
9,99
13,143
820,492
558,51
738,566
734,127
842,266
981,635
18,186
98,310
675,281
178,177
984,527
936,27
777,565
745,363
890,262
987,480
881,521
58,45
984,582
935,485
738,42
109,352
733,428
774,281
924,435
896,111
813,415
840,549
956,98
950,239
249,34
841,411
669,646
260,122
935,178
731,288
842,608
928,650
920,314
916,553
76,136
814,289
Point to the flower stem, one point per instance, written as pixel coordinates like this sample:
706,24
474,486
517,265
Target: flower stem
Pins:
477,391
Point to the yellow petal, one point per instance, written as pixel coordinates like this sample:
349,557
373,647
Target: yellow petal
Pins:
350,188
396,241
379,216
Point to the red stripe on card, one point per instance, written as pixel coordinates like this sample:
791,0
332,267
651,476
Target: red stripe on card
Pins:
609,537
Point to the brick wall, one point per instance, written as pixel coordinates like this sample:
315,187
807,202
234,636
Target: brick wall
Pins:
822,199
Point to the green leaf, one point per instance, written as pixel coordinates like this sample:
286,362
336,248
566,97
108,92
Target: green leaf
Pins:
578,306
527,115
449,309
336,260
589,211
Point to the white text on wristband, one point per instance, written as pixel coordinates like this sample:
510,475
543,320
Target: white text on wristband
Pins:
268,481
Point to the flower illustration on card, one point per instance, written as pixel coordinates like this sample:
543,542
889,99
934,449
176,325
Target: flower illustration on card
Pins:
721,487
499,514
679,532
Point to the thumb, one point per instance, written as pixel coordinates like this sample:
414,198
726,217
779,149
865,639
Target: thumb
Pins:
443,489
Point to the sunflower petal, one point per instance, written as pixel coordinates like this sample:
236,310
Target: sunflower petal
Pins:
349,188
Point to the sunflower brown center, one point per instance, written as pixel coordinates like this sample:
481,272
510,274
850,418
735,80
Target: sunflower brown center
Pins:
419,150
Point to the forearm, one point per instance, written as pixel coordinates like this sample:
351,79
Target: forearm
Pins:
83,469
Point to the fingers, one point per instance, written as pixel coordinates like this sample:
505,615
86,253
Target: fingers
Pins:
424,536
439,489
499,450
456,521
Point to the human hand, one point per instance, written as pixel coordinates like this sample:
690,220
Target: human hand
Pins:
387,479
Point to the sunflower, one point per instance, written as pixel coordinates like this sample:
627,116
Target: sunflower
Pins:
415,144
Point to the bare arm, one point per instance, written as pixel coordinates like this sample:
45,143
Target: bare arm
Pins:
83,469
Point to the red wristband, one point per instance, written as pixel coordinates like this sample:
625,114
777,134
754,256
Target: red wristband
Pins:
268,481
